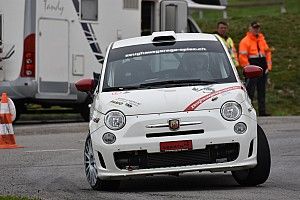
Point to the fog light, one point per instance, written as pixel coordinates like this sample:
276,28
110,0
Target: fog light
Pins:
109,138
240,128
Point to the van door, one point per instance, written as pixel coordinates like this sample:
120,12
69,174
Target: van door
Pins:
53,56
173,15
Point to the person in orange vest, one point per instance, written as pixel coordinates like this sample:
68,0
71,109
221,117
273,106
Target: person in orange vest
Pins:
222,29
254,50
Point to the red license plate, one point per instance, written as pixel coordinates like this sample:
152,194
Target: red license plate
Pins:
176,146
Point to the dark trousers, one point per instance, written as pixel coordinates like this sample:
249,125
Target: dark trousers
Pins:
260,84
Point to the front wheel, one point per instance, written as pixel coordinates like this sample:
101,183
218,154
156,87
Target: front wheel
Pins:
92,172
260,173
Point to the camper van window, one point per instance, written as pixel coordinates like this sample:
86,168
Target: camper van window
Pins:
171,13
131,4
89,10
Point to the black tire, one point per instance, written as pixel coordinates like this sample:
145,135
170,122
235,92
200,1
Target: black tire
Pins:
20,108
85,109
18,114
260,173
91,170
85,112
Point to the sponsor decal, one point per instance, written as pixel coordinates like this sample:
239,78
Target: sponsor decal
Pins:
119,93
116,93
128,103
201,100
208,89
116,102
161,51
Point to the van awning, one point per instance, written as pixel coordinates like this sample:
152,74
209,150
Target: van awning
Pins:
194,5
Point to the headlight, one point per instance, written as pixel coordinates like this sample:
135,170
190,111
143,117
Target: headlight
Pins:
115,120
231,110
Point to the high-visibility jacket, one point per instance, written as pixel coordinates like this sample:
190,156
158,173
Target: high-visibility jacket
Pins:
231,49
252,46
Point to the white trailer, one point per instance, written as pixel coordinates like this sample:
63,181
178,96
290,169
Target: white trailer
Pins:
48,45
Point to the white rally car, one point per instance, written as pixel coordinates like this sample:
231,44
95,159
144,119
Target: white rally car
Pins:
172,103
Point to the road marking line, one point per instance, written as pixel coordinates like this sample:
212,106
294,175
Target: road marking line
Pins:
52,150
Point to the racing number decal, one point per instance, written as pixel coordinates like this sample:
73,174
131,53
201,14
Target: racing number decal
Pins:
201,100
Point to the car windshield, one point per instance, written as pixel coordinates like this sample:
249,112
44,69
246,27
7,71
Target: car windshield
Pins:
175,64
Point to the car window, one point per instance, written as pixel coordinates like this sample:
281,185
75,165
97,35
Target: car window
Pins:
141,64
163,62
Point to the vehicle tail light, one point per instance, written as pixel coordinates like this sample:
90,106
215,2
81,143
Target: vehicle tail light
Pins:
28,64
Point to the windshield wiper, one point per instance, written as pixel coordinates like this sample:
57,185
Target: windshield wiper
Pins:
156,84
185,82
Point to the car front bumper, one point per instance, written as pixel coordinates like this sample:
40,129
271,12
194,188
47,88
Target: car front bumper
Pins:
133,139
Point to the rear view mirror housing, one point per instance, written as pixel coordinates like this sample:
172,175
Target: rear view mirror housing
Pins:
85,85
252,71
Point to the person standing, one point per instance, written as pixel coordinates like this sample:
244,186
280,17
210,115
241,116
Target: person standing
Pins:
254,50
222,29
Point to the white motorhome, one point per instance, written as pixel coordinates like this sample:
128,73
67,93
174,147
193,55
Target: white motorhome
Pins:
48,45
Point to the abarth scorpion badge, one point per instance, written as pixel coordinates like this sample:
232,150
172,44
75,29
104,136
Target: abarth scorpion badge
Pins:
174,124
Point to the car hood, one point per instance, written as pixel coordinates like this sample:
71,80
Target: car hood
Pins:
176,99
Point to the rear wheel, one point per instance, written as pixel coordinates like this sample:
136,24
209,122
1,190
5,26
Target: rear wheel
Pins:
85,110
260,173
20,108
92,172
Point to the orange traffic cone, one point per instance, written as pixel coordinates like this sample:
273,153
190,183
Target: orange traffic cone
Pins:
7,136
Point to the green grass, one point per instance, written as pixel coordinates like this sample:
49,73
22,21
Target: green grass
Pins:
282,32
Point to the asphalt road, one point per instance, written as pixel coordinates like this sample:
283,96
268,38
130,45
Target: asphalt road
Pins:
50,167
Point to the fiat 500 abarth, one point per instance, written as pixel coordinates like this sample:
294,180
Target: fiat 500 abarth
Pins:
172,103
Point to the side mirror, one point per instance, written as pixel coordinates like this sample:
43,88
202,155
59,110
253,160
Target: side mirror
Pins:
85,85
252,71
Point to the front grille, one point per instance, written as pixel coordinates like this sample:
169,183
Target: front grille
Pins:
217,153
175,133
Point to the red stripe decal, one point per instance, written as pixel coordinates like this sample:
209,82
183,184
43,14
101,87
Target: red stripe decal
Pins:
201,100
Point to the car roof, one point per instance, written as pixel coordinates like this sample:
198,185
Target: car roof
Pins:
177,37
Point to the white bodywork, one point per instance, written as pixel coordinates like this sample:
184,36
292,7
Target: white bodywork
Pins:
148,112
